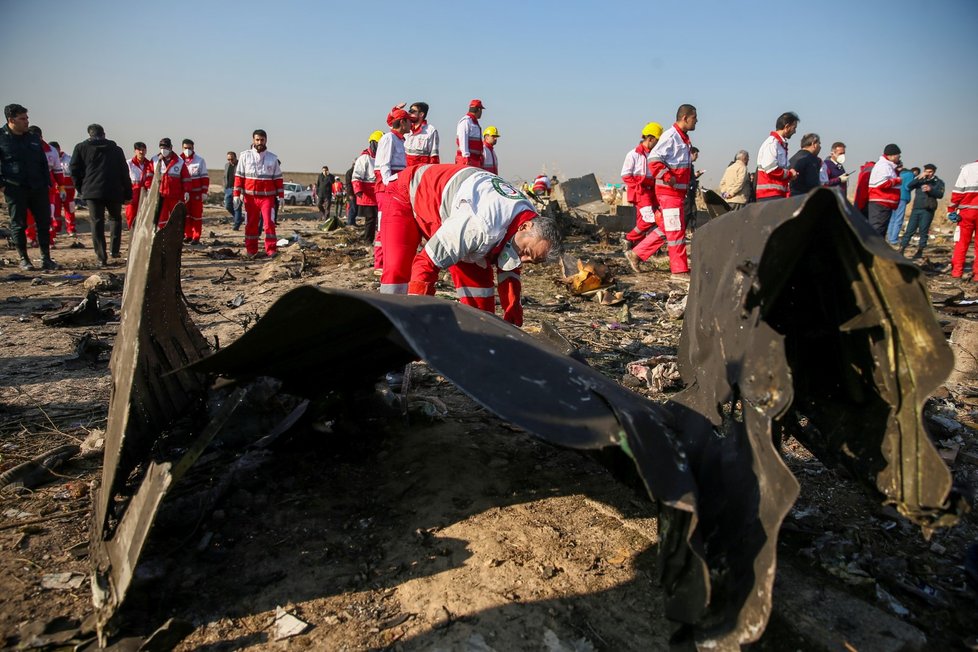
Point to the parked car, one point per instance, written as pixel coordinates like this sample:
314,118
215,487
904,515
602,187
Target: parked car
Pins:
296,194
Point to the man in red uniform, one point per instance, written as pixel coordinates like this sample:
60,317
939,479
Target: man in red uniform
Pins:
640,189
363,180
140,177
490,162
669,164
468,136
963,209
861,198
259,187
174,180
774,170
421,145
389,159
475,222
884,188
199,185
66,204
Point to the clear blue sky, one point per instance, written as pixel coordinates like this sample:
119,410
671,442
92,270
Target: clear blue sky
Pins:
568,84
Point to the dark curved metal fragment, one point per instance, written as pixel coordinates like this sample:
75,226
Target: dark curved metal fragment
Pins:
799,313
151,388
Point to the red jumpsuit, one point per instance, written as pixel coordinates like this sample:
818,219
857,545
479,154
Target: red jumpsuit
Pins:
174,184
490,162
199,184
640,192
68,205
389,160
964,200
437,202
140,176
669,164
468,141
421,144
258,179
773,168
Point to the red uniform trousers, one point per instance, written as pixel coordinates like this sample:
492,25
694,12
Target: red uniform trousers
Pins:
263,209
647,217
473,160
195,218
405,266
68,207
671,221
169,203
966,234
133,206
380,192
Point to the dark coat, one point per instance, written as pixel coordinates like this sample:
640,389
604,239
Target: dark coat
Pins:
808,166
22,161
324,185
99,170
927,200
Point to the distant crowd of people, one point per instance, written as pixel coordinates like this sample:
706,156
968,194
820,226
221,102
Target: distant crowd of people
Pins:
470,218
660,172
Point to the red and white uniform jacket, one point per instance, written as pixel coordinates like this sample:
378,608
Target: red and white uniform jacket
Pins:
772,167
637,175
174,176
259,174
861,198
421,145
140,174
364,178
54,167
490,162
65,166
884,184
389,159
468,214
199,181
468,141
337,188
964,196
541,184
669,162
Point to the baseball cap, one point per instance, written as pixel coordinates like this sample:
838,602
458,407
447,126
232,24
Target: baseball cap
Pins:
476,104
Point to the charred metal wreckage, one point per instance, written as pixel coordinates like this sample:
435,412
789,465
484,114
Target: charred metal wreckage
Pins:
800,321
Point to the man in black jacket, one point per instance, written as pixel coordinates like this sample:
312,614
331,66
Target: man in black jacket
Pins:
929,188
25,179
100,173
808,165
324,191
351,199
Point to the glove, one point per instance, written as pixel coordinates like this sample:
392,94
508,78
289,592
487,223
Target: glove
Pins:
843,178
62,194
278,204
186,197
237,202
953,217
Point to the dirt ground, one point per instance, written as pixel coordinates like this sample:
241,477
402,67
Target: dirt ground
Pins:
455,532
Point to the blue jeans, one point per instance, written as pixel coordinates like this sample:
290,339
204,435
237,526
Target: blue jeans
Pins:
896,222
919,221
238,220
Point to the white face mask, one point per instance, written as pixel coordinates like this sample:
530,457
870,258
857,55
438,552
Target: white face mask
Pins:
188,152
164,152
840,159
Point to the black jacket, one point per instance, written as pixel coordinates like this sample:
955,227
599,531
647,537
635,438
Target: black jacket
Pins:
99,170
22,161
808,166
324,185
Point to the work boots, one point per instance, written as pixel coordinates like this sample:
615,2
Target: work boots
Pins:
26,264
